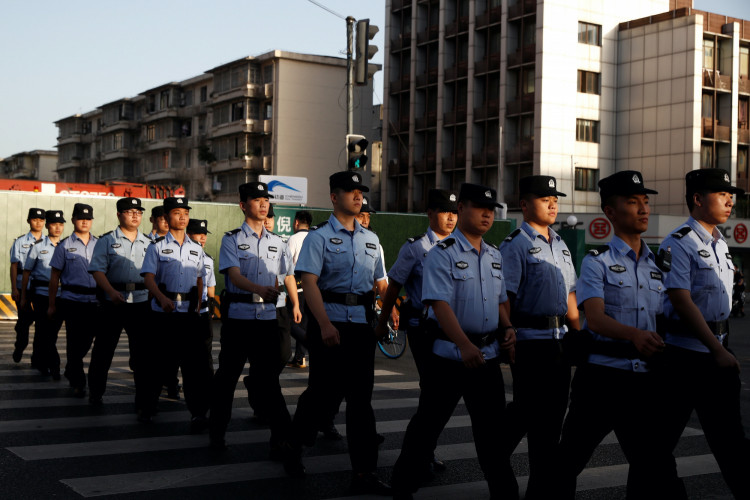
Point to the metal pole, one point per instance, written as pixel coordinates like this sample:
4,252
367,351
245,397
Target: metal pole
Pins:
349,75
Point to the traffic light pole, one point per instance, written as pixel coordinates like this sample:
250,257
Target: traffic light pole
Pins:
349,75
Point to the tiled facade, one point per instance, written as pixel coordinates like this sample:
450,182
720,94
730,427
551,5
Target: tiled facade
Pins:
278,114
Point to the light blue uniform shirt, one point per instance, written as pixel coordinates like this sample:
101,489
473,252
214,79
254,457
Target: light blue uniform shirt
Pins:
344,262
632,291
18,252
409,266
541,274
121,261
71,258
37,262
209,278
176,266
261,259
701,263
471,283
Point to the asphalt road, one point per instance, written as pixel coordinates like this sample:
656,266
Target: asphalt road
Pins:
56,446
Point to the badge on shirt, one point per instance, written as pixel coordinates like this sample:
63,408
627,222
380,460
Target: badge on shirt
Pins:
115,245
655,276
72,249
566,252
496,265
167,251
462,265
192,252
704,253
729,256
336,241
273,249
535,250
27,245
617,268
244,246
44,251
371,246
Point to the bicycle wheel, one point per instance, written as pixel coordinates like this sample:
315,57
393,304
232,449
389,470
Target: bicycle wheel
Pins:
394,344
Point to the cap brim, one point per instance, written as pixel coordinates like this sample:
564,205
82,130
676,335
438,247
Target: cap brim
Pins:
444,208
547,192
352,187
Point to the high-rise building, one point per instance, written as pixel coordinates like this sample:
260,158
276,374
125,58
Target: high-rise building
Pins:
279,113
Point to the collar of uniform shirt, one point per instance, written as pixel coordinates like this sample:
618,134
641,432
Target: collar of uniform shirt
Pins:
534,234
704,235
251,232
338,226
618,244
465,245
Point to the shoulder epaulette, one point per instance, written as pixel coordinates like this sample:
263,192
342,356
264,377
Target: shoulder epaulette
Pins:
512,235
492,245
599,250
416,238
22,236
233,231
105,234
318,226
63,239
682,232
39,240
446,243
157,240
207,255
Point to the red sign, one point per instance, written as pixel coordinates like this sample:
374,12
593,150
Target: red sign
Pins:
740,233
600,228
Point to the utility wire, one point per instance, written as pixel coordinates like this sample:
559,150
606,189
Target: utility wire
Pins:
327,9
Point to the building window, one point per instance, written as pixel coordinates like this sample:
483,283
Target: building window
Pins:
589,82
529,79
744,62
590,34
204,93
238,111
165,159
708,54
707,153
587,179
117,142
587,130
150,133
164,100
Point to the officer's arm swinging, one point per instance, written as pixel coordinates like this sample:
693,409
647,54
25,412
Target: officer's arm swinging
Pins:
314,300
646,342
13,277
470,354
290,282
692,316
506,333
54,283
269,293
572,314
102,282
389,300
24,285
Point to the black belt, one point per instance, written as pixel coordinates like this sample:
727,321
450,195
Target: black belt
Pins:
39,283
479,340
676,326
521,320
204,304
245,298
128,287
81,290
348,299
178,296
615,349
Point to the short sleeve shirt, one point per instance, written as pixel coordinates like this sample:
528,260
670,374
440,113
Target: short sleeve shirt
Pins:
71,258
209,278
38,263
121,261
18,252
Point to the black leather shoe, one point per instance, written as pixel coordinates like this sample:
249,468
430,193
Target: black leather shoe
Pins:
95,400
17,355
79,392
144,417
369,483
217,443
437,465
55,373
198,425
380,438
331,432
292,459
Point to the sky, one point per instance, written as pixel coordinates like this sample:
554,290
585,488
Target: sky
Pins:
62,58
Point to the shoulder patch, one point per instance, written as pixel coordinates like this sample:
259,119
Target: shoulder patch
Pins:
462,265
656,276
157,240
704,253
598,250
318,226
512,235
63,240
415,238
371,246
534,250
492,245
233,231
446,243
617,268
681,232
105,234
39,241
21,236
207,255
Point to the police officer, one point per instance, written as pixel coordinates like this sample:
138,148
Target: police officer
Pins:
159,224
173,273
540,279
18,252
197,230
463,287
36,273
620,291
339,265
253,261
700,372
364,217
77,304
116,268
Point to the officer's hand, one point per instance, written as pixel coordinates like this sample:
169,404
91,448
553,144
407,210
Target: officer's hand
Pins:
166,304
297,314
117,298
472,356
381,330
22,304
726,359
15,295
269,293
394,318
330,335
648,343
508,345
51,311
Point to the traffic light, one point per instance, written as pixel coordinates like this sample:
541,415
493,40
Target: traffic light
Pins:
364,51
356,146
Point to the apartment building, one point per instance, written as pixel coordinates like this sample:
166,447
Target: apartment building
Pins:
278,113
35,165
489,91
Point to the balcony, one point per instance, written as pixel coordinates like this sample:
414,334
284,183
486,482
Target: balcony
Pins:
152,116
402,41
426,164
743,136
399,4
714,79
118,125
255,90
403,123
525,104
456,116
429,78
268,90
487,64
458,71
455,162
522,56
713,130
428,35
744,85
489,17
489,156
396,167
489,109
520,152
268,126
246,163
165,143
239,127
123,153
165,175
74,162
427,121
400,84
71,139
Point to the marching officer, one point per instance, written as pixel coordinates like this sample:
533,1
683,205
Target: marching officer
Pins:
159,224
700,372
620,291
173,272
116,268
339,263
77,304
197,230
253,261
463,287
18,252
36,273
540,279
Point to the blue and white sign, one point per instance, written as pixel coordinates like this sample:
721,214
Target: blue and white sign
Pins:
286,190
